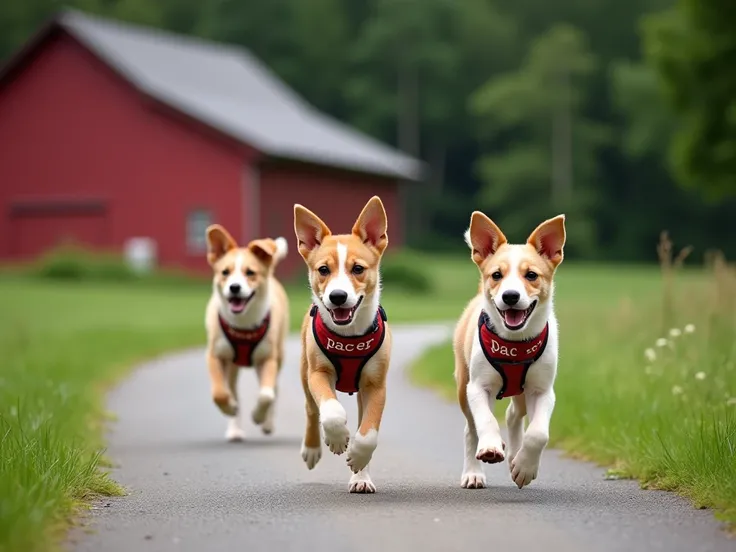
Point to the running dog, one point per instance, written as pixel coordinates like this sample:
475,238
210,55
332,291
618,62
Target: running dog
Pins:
505,345
346,341
247,319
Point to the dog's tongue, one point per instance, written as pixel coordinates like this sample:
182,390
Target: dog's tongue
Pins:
237,305
513,317
341,315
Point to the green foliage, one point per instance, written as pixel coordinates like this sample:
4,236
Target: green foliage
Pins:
693,48
405,272
540,106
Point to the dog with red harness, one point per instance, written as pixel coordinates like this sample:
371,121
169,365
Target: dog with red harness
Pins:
346,341
505,345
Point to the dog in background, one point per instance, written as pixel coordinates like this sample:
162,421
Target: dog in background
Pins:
505,345
247,319
346,342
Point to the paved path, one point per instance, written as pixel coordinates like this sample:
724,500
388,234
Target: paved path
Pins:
191,491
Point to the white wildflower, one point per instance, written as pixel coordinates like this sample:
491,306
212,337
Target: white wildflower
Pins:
675,332
650,355
700,376
661,342
676,390
731,401
689,328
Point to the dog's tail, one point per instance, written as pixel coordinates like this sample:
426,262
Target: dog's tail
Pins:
282,248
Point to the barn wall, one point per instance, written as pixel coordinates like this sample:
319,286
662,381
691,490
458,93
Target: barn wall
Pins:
336,197
75,133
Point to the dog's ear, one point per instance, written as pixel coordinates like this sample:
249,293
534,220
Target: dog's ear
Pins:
549,239
310,230
264,249
219,242
483,237
372,224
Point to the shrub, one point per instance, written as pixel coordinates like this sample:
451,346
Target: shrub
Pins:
71,262
404,271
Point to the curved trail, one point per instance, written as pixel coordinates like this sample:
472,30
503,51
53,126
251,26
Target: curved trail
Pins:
192,491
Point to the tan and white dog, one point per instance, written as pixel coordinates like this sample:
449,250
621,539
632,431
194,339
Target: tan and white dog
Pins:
346,342
247,319
505,345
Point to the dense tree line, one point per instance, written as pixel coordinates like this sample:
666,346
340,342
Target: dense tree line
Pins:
621,113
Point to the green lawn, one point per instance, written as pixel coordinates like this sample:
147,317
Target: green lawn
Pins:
669,421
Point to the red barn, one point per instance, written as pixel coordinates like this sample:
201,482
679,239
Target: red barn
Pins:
111,131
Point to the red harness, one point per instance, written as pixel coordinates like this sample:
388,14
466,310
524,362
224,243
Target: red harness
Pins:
244,342
511,359
348,354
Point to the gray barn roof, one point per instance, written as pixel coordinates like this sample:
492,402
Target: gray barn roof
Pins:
226,88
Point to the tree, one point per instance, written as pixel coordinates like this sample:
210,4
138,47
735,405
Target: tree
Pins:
693,49
544,146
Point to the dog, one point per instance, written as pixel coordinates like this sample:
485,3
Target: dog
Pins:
247,320
346,341
505,345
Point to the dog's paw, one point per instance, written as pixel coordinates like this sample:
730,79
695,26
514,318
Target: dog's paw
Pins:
473,480
265,399
491,451
361,450
524,467
311,455
335,426
361,483
234,432
225,402
268,425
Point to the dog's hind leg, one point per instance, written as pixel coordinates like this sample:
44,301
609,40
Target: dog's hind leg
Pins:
473,476
515,424
361,481
312,444
234,430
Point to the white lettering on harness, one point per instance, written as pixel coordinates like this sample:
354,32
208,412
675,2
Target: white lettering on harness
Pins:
496,347
333,345
532,350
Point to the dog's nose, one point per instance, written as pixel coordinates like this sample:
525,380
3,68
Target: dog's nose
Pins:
338,297
511,297
235,288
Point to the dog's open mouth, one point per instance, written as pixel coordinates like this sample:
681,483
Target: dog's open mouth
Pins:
238,303
514,319
342,316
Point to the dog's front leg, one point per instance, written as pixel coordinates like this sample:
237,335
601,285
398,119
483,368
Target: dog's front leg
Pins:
267,373
372,400
221,394
332,415
525,465
490,445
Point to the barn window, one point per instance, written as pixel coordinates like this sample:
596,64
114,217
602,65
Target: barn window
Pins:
197,222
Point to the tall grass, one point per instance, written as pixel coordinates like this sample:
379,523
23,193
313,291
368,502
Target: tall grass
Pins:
647,378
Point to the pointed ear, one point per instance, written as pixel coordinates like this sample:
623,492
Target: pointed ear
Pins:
483,237
549,239
310,230
372,224
264,249
219,242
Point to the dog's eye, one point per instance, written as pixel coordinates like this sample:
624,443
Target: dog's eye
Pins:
249,273
226,272
323,270
357,269
496,276
531,276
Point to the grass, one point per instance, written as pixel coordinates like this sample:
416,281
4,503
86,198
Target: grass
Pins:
651,404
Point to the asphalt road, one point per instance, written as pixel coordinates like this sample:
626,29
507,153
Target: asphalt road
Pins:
192,491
